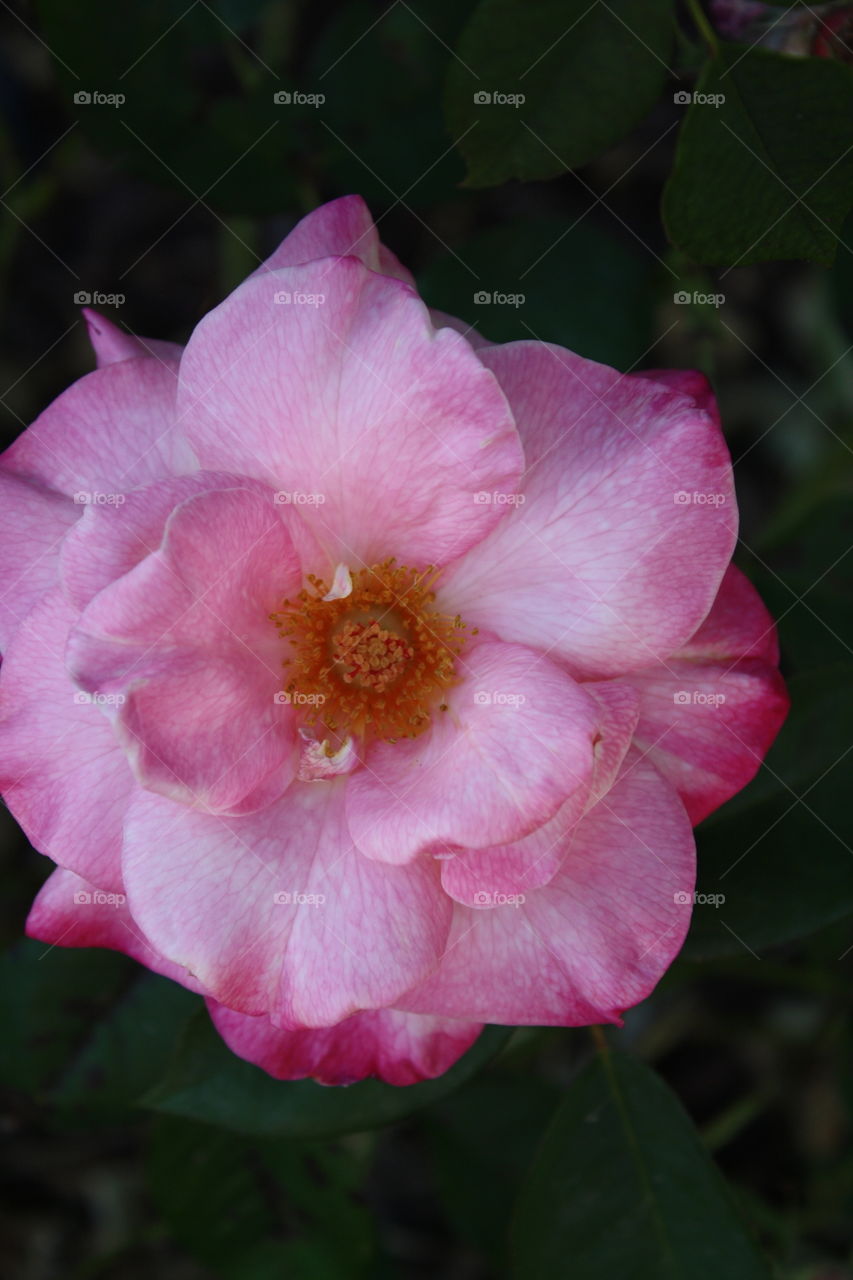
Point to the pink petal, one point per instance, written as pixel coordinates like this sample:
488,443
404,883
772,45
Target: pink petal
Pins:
738,625
108,541
110,343
441,320
399,1048
488,877
62,772
184,647
71,912
277,912
515,742
709,714
110,431
381,430
687,382
33,522
339,229
592,942
604,563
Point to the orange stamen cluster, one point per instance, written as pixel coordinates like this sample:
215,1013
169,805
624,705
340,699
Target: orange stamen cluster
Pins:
375,662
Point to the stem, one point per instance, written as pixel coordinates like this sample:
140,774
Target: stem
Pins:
703,26
600,1041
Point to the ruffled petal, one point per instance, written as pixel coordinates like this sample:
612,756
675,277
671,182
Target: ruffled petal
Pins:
33,522
594,940
488,877
112,430
62,772
709,714
514,743
379,430
627,523
72,912
276,912
341,228
182,654
399,1048
108,541
110,343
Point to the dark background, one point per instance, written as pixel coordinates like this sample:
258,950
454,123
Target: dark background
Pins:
169,200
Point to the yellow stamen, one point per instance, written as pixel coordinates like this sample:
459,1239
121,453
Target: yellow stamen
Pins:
376,661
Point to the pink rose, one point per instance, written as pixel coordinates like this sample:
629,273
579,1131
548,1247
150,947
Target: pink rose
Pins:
367,677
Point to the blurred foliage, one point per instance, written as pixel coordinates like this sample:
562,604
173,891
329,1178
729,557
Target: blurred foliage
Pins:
134,1143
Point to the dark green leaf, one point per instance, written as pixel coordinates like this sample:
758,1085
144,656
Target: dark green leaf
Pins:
260,1210
587,73
622,1187
127,1051
51,997
198,112
207,1082
483,1139
767,173
212,1199
380,130
577,285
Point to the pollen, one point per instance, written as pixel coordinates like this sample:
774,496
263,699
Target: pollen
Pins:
375,662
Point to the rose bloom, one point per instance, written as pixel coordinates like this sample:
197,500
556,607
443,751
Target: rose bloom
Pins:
367,677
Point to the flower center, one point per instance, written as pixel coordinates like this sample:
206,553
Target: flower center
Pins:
370,655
